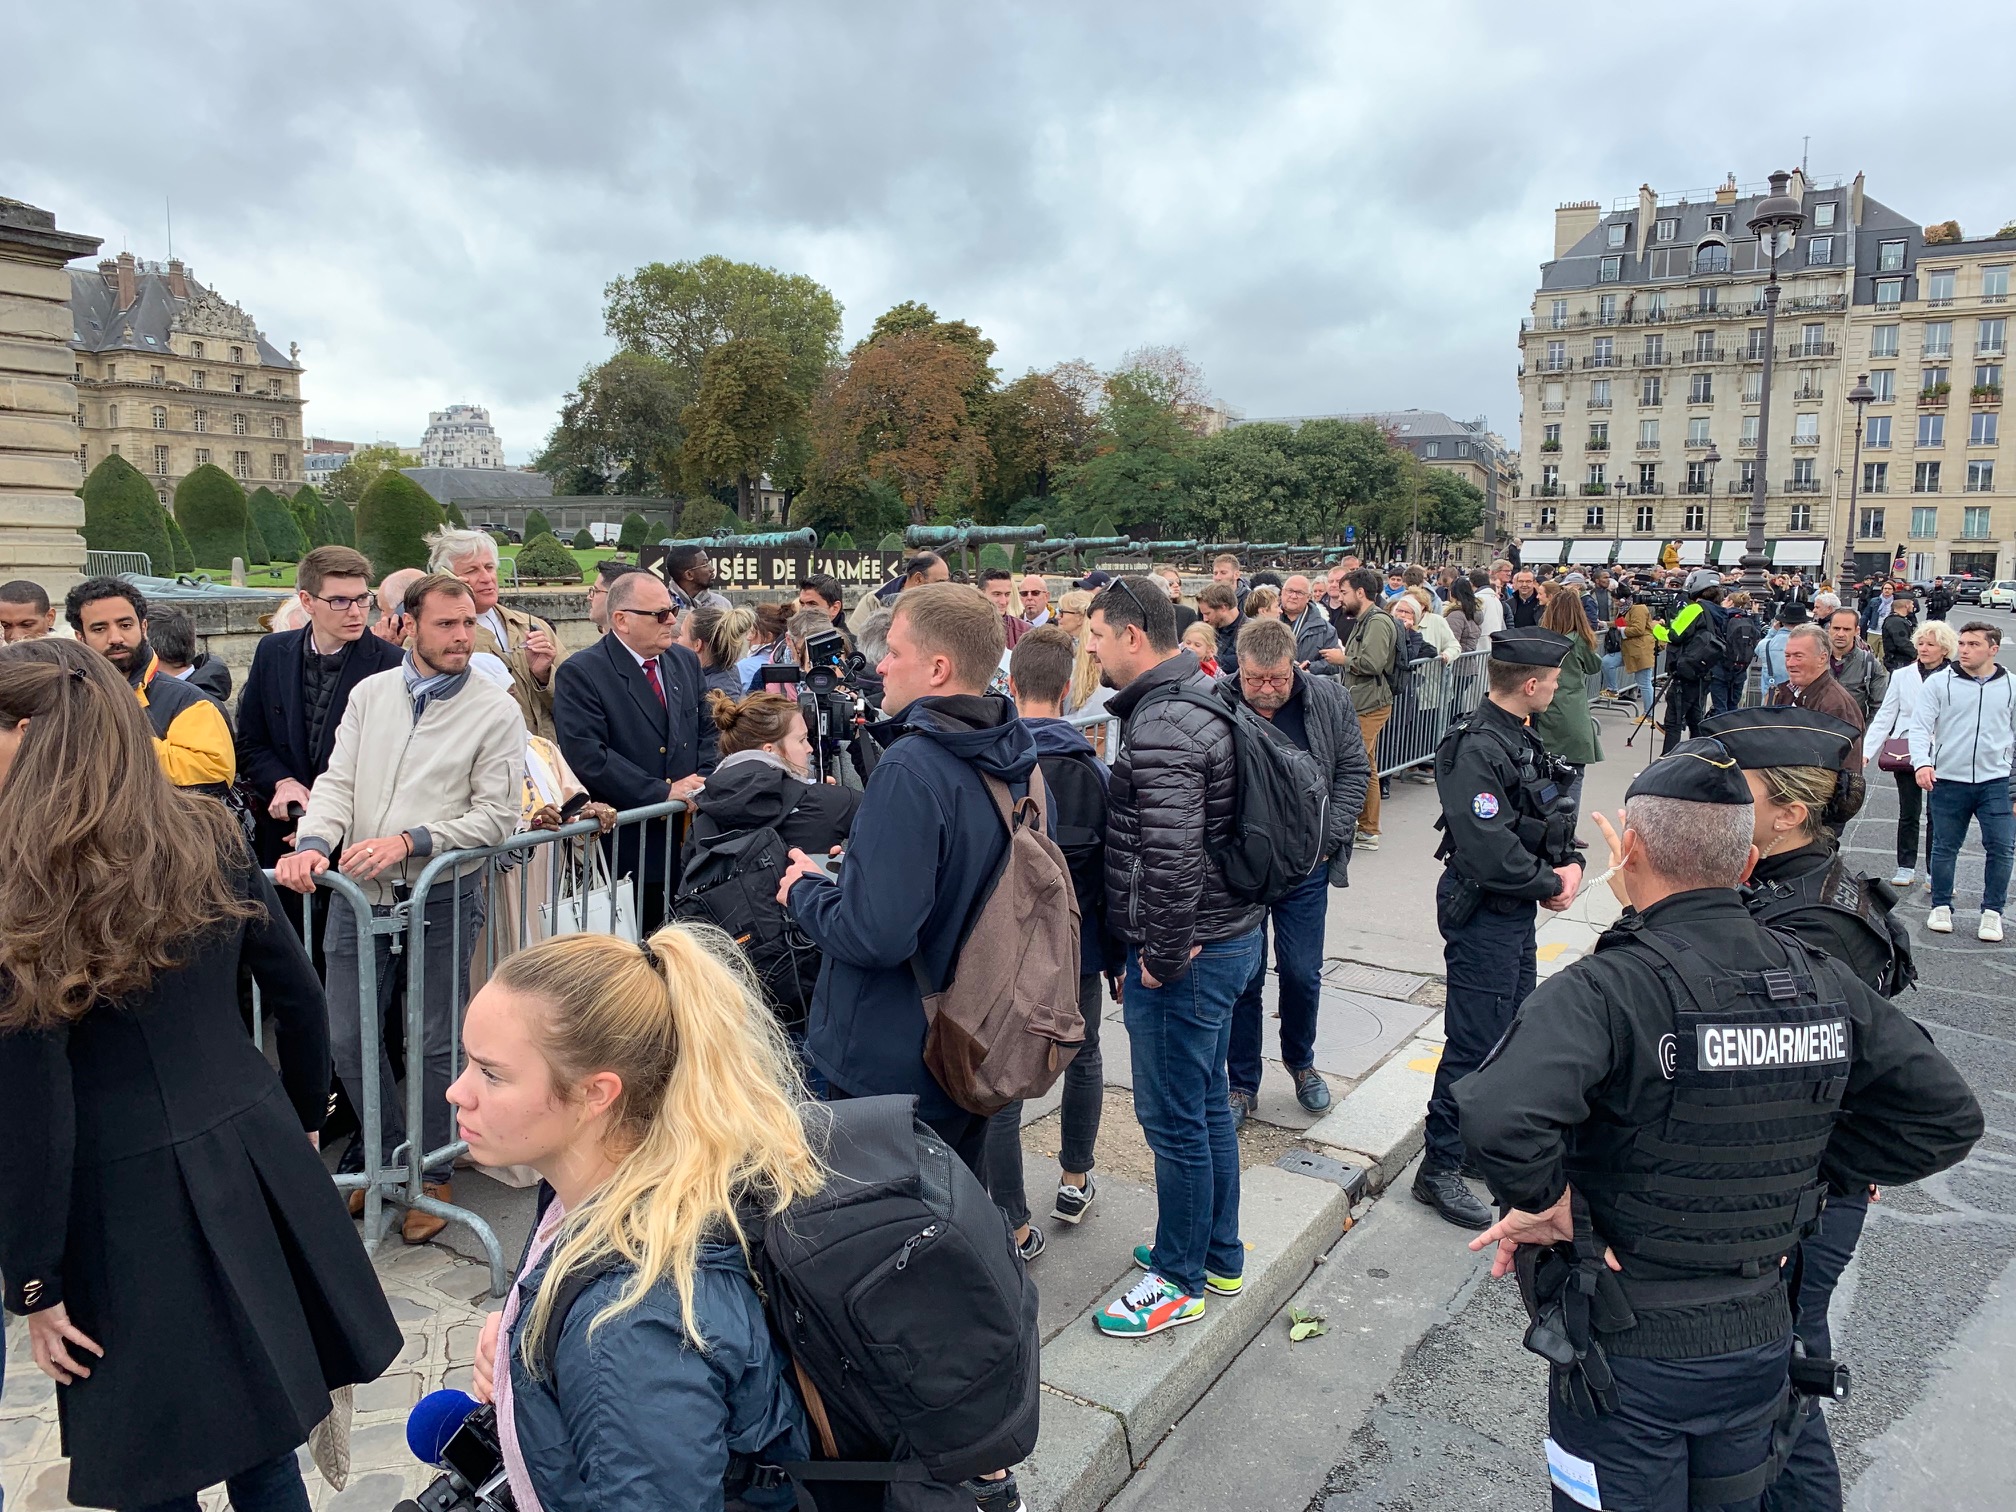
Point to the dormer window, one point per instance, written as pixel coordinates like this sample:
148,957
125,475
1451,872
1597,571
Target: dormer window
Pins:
1823,215
1711,257
1718,223
1669,230
1617,232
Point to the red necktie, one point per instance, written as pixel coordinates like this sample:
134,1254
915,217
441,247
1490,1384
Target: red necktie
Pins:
651,675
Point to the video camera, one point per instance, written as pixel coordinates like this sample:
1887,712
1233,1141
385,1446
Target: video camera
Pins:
452,1430
831,699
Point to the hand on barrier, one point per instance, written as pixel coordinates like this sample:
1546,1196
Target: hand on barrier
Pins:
684,787
368,858
299,871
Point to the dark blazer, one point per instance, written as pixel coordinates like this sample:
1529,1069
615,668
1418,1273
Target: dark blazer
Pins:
272,719
159,1184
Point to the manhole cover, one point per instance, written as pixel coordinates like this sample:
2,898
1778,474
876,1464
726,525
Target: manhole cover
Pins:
1376,980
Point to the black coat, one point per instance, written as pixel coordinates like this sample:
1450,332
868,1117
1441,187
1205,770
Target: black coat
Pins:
750,794
1173,803
211,674
1338,744
157,1182
1898,649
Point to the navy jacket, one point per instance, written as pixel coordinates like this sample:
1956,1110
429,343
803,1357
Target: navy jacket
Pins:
621,742
633,1418
1059,741
272,717
927,841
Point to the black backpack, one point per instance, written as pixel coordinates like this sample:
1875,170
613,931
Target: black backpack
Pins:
1699,649
1078,817
731,883
1740,637
1284,805
897,1293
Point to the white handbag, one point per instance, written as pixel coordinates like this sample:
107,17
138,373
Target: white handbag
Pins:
589,904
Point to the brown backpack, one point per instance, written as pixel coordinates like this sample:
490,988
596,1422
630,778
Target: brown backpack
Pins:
1006,1023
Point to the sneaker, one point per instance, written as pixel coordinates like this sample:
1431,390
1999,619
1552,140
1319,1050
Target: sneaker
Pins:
1032,1246
1365,842
1991,926
1940,920
1149,1306
1073,1203
1242,1106
1311,1090
994,1495
1224,1286
1904,876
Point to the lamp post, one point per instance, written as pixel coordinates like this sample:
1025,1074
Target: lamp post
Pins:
1708,514
1776,222
1861,396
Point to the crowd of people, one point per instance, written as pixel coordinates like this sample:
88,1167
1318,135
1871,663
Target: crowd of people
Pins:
835,801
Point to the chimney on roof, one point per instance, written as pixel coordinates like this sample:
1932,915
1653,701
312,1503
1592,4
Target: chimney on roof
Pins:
1648,208
1855,202
128,288
178,278
1573,221
1726,194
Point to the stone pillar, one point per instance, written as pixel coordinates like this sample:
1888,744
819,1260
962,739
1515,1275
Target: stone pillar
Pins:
40,513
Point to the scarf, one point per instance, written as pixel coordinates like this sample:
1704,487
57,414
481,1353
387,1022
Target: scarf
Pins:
424,689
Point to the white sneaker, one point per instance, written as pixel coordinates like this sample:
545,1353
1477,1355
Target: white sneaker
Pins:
1991,926
1940,921
1904,876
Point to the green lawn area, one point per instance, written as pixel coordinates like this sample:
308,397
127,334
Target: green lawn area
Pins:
281,574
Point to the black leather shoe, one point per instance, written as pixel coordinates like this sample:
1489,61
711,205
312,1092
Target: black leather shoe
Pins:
1444,1191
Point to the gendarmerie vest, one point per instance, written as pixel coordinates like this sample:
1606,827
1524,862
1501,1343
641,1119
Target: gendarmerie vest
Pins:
1812,893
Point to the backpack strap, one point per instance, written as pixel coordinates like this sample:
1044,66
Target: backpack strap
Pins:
565,1296
1010,809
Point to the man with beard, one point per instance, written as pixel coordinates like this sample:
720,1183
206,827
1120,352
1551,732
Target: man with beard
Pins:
191,736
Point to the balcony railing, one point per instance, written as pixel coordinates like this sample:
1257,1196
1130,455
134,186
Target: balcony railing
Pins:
1880,486
1809,393
1553,406
1595,490
1741,489
1754,353
1796,349
1699,443
1545,490
1937,354
1649,359
1696,488
1982,349
1644,403
1805,440
1593,444
1601,404
1707,354
1553,365
1802,485
1603,360
1984,394
1648,446
1932,399
1645,490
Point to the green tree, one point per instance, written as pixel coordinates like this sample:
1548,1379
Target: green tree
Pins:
1039,427
702,515
542,559
1249,486
993,555
911,318
898,414
453,515
185,559
584,539
536,524
1352,467
348,482
1452,506
276,525
121,513
310,517
340,520
256,552
210,506
635,534
745,407
1142,459
618,431
393,517
890,542
844,541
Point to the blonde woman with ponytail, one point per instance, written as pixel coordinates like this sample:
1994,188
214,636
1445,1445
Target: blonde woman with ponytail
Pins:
654,1094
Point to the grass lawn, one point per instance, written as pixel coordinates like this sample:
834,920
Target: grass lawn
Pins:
281,574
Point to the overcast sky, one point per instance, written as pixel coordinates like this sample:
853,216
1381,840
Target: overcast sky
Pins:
1331,206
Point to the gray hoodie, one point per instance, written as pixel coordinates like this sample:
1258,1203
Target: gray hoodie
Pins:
1965,729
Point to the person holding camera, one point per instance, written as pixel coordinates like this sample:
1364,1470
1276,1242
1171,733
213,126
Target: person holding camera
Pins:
652,1091
188,1275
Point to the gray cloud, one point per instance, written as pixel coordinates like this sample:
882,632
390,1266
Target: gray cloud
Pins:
1331,206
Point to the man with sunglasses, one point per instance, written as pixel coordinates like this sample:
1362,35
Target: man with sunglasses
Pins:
1035,596
633,724
299,686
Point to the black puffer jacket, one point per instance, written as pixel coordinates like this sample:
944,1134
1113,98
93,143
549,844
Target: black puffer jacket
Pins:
1172,801
1338,745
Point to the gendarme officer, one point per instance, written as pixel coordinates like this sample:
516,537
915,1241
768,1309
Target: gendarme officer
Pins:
1661,1124
1508,845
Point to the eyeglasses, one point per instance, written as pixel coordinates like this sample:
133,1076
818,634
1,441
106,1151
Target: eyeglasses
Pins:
1035,592
1268,680
663,616
342,603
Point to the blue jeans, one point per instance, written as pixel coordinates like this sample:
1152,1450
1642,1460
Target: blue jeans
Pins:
1298,962
274,1486
1953,804
1643,677
1613,670
1179,1034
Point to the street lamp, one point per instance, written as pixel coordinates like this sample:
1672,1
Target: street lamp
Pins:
1776,222
1861,396
1708,514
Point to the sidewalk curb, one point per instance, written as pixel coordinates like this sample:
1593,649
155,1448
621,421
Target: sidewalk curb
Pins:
1143,1387
1380,1123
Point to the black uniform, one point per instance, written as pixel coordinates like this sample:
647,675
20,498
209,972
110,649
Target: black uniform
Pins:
1686,1080
1813,894
1504,828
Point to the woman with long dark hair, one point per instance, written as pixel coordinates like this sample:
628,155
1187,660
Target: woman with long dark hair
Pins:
190,1278
1565,726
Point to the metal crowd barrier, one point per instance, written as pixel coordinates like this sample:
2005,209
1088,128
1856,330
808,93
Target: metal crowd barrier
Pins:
534,885
113,563
1432,695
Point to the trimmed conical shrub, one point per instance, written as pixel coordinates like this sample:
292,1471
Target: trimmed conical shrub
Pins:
276,525
636,532
393,518
536,524
544,559
890,542
185,559
122,514
454,514
210,506
341,520
310,517
996,556
583,540
256,554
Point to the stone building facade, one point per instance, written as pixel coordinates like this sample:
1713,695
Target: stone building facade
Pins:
460,436
171,375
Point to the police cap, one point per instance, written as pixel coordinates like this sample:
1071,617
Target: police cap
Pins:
1529,647
1698,771
1786,736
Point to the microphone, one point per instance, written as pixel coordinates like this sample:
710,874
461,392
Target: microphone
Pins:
435,1419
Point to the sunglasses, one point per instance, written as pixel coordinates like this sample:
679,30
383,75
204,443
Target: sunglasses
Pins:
1035,592
663,616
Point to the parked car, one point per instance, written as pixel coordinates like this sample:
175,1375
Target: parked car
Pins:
1967,590
2000,595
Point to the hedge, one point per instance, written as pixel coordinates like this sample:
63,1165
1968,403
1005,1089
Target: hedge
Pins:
544,559
583,540
210,506
890,542
122,514
341,519
392,520
993,556
277,526
185,559
256,552
536,524
635,534
454,516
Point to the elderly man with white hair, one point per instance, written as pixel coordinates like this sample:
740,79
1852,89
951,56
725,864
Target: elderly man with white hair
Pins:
523,642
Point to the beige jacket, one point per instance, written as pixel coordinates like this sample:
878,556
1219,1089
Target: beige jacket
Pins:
458,774
534,702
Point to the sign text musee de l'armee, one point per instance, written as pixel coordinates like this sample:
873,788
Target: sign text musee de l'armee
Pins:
783,571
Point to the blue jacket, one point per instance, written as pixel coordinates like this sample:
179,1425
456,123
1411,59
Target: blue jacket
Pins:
926,842
1098,950
631,1418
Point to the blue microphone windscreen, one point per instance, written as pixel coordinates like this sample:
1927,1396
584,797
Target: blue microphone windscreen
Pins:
434,1420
